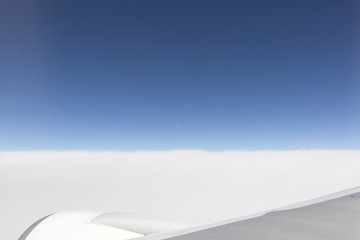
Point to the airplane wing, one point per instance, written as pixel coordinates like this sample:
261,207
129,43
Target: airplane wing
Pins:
337,218
332,217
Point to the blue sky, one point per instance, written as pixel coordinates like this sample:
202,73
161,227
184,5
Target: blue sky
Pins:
162,75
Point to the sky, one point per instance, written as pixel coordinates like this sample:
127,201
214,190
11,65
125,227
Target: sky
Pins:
162,75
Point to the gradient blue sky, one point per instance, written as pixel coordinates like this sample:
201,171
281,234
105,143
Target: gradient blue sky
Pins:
160,75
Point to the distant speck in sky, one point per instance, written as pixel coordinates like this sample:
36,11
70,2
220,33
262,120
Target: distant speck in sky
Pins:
177,125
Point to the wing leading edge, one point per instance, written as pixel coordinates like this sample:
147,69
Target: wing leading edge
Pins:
331,217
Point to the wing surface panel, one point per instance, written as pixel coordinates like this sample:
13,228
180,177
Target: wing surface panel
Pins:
337,218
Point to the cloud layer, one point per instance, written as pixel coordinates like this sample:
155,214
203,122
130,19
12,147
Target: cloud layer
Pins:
209,185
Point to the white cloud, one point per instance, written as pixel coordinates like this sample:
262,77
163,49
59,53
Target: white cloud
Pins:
213,185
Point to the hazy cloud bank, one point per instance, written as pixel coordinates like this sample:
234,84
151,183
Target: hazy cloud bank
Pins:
213,185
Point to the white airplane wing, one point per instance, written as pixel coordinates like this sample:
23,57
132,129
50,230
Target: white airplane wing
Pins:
333,217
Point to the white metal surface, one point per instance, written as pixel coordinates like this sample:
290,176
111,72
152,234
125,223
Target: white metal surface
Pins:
146,224
105,226
89,231
76,226
332,217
